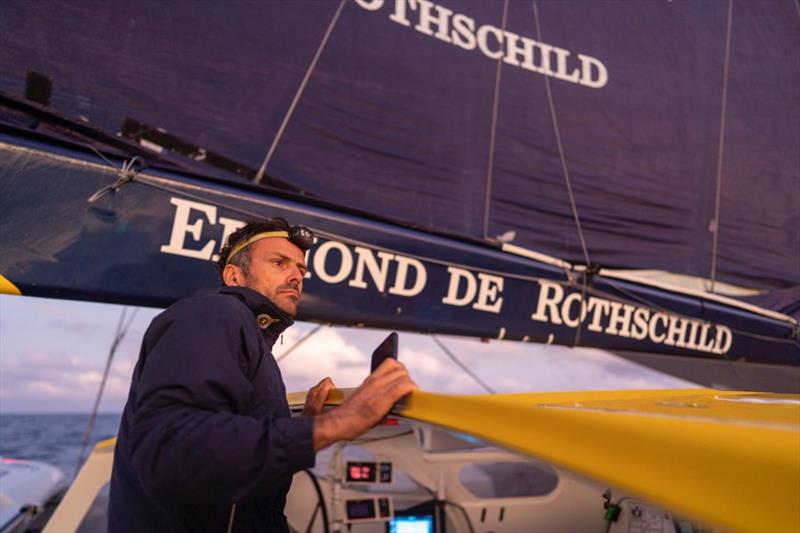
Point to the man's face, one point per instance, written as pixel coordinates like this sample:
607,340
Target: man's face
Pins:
276,270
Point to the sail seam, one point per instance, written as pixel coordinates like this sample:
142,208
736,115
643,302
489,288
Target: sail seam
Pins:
720,147
561,147
495,105
263,168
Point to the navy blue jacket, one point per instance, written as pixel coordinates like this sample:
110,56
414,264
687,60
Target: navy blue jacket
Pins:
207,424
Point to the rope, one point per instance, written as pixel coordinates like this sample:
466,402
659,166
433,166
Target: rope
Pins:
720,149
302,339
126,174
490,165
263,168
231,517
469,372
582,310
561,147
122,329
320,505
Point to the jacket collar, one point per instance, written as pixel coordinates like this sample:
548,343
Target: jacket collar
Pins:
266,314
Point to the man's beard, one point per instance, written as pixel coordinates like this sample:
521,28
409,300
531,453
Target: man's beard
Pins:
288,286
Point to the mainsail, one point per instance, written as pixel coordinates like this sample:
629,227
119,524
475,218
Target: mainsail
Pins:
494,169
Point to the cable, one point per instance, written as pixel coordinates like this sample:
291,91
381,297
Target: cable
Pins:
561,146
463,511
122,329
231,518
495,105
320,503
461,365
260,175
302,339
715,222
126,174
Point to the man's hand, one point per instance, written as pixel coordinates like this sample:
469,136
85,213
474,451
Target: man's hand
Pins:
315,399
368,404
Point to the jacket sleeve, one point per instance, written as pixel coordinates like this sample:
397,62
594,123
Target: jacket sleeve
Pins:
187,442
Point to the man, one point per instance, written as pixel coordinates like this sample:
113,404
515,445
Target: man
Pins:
206,441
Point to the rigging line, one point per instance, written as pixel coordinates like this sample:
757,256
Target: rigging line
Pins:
231,517
263,168
99,153
126,174
720,147
582,309
462,366
561,146
490,165
300,341
127,164
122,329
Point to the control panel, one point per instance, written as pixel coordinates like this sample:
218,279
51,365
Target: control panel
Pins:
368,509
368,472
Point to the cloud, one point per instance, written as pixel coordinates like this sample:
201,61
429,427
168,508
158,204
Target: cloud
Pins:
71,326
58,366
43,387
37,382
527,367
325,353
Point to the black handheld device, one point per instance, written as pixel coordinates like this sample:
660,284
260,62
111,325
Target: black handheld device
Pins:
385,350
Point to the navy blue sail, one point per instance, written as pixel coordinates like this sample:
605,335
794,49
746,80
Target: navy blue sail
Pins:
495,169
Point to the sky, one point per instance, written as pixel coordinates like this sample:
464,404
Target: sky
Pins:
53,353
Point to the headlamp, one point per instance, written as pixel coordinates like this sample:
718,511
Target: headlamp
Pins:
300,236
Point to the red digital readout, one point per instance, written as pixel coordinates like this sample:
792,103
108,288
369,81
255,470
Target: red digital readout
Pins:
361,472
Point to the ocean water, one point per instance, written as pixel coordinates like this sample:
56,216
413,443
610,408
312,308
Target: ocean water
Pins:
52,438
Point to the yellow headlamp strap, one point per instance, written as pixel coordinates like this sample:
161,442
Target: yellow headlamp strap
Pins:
257,237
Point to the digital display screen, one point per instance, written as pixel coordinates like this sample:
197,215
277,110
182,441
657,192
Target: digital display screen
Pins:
385,472
384,511
364,472
360,509
411,524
